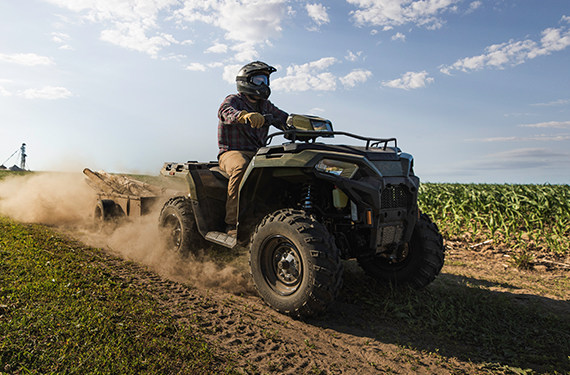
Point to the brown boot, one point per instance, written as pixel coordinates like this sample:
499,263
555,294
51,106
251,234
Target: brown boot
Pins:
231,230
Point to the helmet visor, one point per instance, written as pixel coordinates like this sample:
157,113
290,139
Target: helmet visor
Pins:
259,79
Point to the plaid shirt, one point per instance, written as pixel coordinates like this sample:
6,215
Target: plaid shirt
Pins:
242,137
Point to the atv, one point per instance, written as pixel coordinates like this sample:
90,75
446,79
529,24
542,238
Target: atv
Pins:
304,206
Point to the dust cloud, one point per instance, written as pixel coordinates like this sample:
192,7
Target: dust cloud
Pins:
47,198
67,202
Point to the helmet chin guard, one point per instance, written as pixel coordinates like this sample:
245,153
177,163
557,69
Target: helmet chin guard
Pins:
244,82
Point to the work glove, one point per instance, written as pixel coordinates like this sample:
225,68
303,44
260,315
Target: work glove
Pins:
255,119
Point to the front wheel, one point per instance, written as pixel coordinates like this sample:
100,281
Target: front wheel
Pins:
295,263
416,264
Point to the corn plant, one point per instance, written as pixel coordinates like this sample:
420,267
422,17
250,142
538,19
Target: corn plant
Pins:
521,216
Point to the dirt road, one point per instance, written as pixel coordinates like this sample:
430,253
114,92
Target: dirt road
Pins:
355,336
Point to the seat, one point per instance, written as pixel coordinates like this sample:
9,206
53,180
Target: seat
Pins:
219,173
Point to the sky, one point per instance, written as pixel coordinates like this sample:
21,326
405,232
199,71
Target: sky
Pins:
477,90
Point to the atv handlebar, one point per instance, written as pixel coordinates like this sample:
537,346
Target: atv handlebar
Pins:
296,134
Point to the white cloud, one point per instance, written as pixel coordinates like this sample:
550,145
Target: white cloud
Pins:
539,137
549,124
4,92
290,11
553,103
527,157
309,76
136,24
251,22
217,48
27,59
196,67
474,6
425,13
230,73
525,153
410,80
133,36
131,23
245,51
521,159
355,77
513,52
353,56
315,75
399,36
61,39
215,64
48,92
318,13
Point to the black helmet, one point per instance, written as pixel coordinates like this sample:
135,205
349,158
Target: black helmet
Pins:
253,79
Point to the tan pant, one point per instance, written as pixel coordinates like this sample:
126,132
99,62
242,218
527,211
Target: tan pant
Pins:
234,163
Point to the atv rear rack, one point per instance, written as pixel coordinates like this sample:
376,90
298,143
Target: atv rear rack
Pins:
308,135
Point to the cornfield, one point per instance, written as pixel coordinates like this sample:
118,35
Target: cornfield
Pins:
525,217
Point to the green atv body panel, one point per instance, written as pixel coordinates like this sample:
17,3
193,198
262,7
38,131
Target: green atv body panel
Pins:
390,197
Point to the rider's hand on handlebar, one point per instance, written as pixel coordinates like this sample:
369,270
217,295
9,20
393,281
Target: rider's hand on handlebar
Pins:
254,119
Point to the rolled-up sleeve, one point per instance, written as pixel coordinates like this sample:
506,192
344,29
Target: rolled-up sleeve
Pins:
230,110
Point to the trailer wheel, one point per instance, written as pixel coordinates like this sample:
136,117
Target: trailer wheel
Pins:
295,263
178,227
418,263
107,214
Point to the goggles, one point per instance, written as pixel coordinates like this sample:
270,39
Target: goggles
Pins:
259,79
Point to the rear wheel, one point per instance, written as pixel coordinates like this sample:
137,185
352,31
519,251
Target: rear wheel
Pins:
416,264
295,263
107,214
178,226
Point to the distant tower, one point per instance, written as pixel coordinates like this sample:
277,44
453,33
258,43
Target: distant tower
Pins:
23,156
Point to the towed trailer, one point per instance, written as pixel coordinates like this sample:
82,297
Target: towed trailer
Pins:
119,196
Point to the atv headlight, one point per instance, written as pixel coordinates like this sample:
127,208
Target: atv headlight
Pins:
336,167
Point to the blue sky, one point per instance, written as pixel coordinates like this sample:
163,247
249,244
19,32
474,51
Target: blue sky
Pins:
477,91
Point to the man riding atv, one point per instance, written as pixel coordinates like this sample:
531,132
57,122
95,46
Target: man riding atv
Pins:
242,129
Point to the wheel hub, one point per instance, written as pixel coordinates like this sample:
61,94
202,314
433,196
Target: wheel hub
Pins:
281,265
287,266
175,229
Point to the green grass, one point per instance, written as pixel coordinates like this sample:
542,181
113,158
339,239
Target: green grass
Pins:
62,311
6,173
532,218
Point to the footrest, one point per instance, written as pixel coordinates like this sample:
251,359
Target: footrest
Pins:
221,238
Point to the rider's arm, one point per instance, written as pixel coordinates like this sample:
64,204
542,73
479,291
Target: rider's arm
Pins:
230,110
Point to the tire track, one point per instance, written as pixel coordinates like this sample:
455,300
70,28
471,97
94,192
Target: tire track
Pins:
259,340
